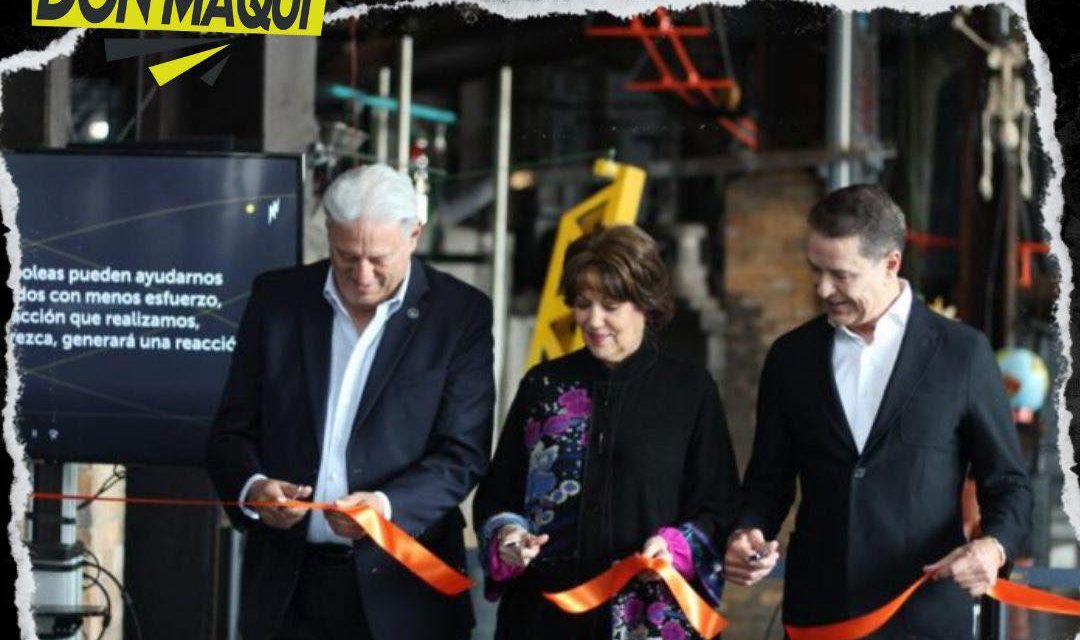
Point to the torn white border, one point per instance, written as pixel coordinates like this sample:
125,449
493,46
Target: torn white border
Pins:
1052,209
9,204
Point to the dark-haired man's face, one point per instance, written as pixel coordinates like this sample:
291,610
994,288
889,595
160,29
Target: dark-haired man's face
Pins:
856,290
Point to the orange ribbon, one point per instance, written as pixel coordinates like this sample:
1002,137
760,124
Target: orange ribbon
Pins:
1018,595
589,595
388,536
1003,591
859,627
597,591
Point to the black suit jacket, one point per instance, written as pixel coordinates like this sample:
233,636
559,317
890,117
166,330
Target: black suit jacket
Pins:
867,524
422,435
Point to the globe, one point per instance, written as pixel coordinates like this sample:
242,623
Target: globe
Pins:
1026,378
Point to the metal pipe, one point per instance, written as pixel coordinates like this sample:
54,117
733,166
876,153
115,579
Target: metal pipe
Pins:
382,119
57,570
388,104
232,612
69,508
405,98
840,44
1010,211
500,285
139,94
1012,165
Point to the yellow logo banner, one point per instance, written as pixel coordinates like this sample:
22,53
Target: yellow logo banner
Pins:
266,17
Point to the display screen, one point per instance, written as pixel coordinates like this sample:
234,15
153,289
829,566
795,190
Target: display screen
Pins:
135,270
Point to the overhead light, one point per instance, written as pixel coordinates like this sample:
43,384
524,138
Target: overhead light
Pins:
98,130
522,179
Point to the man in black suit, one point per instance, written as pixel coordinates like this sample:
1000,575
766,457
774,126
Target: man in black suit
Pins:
878,408
363,380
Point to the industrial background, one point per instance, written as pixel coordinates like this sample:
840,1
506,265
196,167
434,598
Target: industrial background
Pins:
739,117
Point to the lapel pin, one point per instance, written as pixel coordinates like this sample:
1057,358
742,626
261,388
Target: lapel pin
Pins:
413,313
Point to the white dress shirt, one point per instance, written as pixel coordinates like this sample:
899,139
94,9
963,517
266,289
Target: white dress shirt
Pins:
862,370
351,357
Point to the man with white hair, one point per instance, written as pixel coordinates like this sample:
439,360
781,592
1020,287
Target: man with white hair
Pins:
366,379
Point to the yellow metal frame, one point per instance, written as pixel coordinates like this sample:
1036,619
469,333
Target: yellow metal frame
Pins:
617,203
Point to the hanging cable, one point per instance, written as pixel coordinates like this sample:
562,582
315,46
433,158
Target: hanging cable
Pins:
96,562
992,273
125,596
721,36
354,66
537,164
114,478
106,620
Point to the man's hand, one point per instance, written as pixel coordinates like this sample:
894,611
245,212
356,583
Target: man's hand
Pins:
973,566
749,558
518,547
270,490
342,524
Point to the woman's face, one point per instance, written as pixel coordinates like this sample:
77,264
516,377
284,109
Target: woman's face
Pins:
612,329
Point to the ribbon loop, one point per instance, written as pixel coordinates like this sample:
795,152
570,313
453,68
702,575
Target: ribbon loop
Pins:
595,592
411,554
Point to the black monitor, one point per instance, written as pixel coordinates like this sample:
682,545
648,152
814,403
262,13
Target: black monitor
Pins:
135,270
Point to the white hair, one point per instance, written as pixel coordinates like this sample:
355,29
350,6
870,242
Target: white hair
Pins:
373,192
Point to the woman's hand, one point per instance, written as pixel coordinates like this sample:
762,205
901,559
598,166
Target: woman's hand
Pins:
518,547
655,547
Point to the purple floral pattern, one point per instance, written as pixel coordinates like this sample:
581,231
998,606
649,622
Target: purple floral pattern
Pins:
556,437
648,611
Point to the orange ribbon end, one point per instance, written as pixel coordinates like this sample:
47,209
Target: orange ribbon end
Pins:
1003,591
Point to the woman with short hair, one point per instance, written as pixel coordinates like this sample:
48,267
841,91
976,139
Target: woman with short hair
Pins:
613,449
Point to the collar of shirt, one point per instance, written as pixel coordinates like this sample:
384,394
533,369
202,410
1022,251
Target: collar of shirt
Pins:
390,305
891,323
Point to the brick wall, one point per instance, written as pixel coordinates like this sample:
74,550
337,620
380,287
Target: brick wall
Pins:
764,238
766,282
767,291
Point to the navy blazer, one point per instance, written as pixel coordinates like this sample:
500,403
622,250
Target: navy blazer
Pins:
422,435
868,522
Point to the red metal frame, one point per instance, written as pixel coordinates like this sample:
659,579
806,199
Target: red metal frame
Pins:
922,240
1026,250
744,129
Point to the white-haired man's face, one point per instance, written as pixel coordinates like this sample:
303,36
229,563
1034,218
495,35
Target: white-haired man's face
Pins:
370,259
